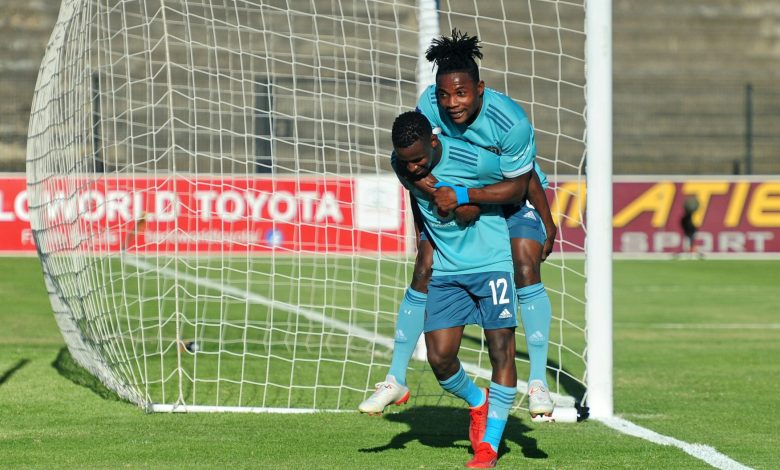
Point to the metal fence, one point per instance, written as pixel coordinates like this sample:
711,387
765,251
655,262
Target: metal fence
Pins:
696,127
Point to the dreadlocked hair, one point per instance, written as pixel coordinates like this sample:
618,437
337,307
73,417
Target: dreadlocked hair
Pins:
409,127
455,54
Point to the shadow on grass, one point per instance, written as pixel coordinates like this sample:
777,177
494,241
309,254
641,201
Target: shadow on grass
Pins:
14,369
442,426
71,370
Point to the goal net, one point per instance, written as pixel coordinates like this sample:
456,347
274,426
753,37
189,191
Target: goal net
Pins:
213,205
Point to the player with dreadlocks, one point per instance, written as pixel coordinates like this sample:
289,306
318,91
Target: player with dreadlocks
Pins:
463,108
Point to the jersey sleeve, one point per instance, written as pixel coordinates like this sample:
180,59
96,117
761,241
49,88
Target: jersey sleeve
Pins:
518,146
428,107
542,175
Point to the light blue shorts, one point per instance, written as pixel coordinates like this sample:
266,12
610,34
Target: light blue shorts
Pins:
486,299
525,222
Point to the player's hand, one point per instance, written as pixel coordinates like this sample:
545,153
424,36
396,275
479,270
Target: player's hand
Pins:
552,230
445,199
427,184
466,214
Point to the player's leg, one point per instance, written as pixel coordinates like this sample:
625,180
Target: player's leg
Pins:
411,313
443,346
527,238
408,328
501,395
499,324
690,235
450,307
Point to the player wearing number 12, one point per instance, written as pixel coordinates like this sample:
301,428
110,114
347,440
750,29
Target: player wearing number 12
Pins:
464,108
472,280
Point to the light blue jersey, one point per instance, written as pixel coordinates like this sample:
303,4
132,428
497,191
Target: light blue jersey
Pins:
501,126
483,245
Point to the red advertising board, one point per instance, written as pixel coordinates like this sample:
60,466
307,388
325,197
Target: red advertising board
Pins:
362,214
734,216
208,214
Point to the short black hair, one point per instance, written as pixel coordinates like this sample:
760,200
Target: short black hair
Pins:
409,127
457,53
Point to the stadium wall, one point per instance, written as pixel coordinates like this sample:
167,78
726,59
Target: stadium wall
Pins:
682,71
736,216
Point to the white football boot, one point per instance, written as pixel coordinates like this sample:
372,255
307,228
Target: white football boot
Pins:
387,392
540,405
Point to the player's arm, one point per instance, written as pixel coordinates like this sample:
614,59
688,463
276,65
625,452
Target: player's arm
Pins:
417,217
538,198
517,162
464,215
509,191
521,143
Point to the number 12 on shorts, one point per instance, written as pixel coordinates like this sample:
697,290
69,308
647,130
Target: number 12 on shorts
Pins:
498,288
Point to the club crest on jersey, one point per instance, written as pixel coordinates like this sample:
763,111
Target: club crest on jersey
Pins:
494,149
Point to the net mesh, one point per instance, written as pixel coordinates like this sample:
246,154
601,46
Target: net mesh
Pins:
212,201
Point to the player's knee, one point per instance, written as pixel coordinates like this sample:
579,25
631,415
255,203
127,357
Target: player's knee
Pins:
423,268
443,365
526,273
436,360
502,350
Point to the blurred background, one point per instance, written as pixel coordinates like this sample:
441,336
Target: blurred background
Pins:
694,84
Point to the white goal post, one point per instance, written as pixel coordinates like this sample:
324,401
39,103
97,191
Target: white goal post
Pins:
217,221
599,208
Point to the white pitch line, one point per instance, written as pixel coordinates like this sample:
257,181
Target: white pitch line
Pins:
350,329
700,451
702,326
261,300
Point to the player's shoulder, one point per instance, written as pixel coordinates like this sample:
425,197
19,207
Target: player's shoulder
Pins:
503,110
452,144
427,100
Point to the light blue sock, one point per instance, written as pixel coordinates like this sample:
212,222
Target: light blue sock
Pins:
408,328
500,402
462,386
536,313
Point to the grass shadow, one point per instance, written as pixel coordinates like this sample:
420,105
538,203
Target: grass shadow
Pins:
443,426
14,369
71,370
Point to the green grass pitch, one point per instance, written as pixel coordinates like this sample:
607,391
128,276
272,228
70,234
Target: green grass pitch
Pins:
696,348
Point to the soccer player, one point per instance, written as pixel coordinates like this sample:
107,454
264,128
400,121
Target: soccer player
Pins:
471,281
690,205
461,105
